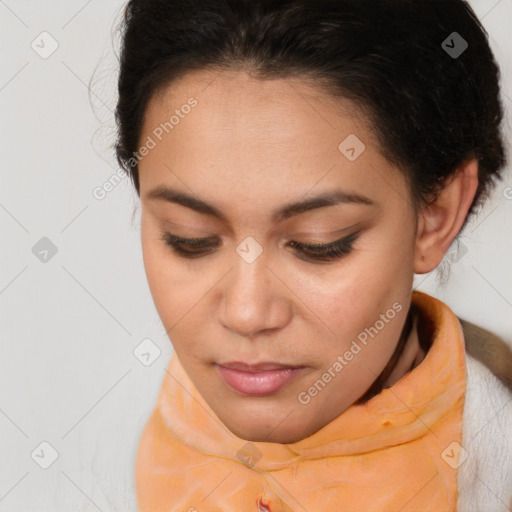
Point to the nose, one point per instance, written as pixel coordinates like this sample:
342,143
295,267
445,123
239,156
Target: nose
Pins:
253,300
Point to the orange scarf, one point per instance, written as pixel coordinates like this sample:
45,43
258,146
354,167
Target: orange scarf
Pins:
396,452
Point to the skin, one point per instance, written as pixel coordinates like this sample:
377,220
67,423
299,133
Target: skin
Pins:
249,147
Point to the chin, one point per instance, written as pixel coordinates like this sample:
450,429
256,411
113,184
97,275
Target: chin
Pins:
265,432
258,437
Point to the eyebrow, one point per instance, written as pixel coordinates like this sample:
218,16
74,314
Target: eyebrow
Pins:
329,198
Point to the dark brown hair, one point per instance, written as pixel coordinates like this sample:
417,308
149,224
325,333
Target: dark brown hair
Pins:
430,109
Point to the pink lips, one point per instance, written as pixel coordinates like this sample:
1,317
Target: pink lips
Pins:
259,379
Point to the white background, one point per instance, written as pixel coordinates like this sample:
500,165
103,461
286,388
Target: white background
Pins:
68,327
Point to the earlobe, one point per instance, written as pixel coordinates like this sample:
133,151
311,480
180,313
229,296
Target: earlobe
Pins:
440,221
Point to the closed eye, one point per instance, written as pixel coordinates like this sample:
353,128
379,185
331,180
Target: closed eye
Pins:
192,248
327,252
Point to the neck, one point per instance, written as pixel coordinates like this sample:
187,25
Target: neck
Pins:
411,357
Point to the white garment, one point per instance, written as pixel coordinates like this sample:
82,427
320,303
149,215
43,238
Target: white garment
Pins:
485,477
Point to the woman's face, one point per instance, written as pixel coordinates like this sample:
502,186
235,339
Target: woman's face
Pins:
243,150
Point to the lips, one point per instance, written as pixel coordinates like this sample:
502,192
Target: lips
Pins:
257,379
244,367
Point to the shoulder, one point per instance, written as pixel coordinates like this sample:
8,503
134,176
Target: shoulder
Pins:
485,477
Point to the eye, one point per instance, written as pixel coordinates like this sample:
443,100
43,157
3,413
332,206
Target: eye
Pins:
326,252
188,247
198,247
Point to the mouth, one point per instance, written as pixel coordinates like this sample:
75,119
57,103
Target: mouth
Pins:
257,379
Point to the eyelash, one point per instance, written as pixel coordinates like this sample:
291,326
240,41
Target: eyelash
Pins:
318,252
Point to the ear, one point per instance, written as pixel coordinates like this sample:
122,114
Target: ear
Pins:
440,221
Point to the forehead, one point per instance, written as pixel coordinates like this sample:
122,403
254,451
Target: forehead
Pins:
281,112
258,142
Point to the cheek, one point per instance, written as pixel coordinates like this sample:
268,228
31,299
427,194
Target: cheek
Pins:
178,292
153,262
358,310
166,286
351,295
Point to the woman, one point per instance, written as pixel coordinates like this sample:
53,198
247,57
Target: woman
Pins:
297,163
